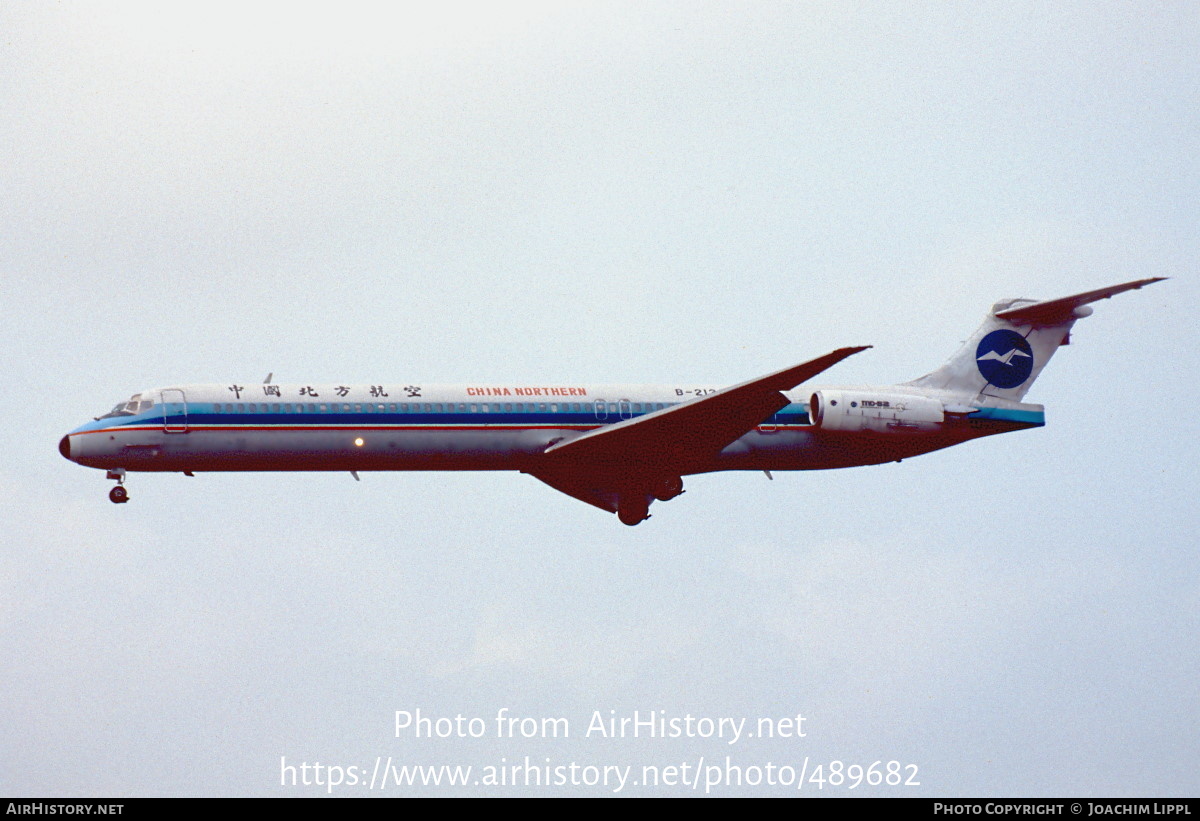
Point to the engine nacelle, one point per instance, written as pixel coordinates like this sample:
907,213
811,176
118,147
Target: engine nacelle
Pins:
882,412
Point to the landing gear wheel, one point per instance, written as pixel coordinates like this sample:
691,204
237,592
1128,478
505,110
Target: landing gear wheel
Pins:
118,495
633,511
668,489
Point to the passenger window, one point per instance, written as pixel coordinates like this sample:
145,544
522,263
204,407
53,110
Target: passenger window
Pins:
507,408
474,408
253,408
324,408
554,407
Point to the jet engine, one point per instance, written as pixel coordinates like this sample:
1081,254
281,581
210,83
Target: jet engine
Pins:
882,412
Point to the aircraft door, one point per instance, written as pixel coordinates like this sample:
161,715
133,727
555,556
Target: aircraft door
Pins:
174,410
625,409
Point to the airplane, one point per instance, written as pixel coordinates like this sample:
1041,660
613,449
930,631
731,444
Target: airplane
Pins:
617,447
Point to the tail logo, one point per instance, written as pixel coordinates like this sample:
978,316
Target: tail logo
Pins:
1004,358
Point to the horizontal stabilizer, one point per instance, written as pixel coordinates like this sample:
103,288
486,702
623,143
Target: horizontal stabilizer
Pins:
1058,311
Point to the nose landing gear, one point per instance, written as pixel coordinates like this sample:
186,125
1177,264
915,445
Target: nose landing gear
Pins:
118,495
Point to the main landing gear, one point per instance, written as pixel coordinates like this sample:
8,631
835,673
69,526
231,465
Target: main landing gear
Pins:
118,495
634,507
668,489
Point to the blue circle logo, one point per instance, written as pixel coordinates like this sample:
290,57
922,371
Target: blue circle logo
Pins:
1004,358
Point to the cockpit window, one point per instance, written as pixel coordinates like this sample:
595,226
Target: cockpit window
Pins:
135,405
119,410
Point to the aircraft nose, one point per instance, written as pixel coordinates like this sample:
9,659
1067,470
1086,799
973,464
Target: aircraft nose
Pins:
64,447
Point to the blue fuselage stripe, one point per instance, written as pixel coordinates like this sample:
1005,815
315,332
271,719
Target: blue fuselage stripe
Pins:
1011,415
204,416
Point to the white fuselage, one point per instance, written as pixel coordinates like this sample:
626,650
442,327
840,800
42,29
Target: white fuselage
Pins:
462,427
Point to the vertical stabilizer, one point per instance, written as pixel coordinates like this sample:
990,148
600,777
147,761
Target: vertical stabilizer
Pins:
1016,340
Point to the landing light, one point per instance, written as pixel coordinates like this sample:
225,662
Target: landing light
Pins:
358,443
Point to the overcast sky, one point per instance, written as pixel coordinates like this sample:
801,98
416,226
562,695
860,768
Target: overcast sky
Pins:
599,192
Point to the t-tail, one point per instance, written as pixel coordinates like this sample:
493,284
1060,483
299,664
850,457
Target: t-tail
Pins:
1003,358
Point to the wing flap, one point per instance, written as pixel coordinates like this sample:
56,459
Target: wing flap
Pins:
577,487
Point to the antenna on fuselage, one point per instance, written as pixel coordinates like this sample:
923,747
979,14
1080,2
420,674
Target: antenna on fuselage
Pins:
267,381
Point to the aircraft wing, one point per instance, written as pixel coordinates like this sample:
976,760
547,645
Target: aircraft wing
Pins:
1057,311
584,487
669,442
